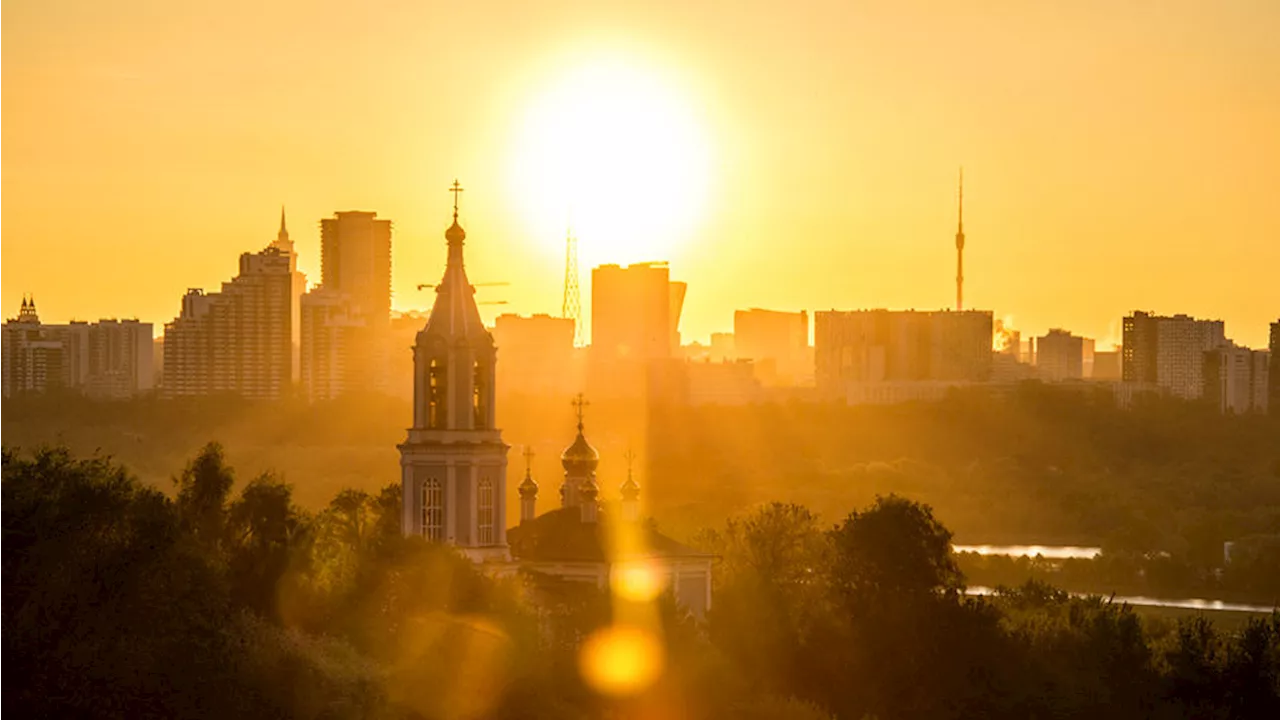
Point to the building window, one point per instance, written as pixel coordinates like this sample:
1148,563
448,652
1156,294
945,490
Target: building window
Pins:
485,513
478,391
432,510
435,394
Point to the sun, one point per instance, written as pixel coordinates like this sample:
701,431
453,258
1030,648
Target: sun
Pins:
613,151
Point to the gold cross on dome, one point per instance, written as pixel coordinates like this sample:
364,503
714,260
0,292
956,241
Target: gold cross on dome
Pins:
455,190
579,405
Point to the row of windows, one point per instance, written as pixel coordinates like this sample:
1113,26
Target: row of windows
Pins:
433,511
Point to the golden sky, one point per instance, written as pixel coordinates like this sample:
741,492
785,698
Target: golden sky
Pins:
1118,155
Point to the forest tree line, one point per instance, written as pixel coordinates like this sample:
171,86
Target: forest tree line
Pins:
222,599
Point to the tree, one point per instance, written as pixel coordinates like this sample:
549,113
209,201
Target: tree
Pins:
203,490
894,552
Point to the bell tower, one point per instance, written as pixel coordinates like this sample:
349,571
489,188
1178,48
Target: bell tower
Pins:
454,462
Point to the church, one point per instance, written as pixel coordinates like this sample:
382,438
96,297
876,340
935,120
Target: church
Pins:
454,470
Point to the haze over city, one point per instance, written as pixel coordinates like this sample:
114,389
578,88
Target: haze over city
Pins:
856,360
1118,155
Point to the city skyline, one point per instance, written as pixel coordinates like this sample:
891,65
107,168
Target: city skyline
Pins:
1079,183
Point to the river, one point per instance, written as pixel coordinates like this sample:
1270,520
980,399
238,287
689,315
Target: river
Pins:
1055,552
1063,552
1186,603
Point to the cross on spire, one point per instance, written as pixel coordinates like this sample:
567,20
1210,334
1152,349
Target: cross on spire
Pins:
579,404
528,460
630,457
455,189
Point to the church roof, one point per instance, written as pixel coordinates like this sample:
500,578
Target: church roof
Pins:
562,536
454,314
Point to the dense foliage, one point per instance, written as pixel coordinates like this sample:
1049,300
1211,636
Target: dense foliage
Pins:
218,601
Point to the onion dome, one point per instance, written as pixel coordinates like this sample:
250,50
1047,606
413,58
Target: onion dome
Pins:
630,489
580,459
528,488
455,233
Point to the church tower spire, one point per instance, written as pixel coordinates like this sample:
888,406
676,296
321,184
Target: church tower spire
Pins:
454,462
960,247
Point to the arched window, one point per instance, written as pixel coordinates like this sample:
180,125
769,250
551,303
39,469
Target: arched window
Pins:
435,394
478,390
432,510
485,513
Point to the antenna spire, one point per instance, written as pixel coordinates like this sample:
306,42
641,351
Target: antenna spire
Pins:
571,305
960,246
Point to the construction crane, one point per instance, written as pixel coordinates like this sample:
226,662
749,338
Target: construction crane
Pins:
424,286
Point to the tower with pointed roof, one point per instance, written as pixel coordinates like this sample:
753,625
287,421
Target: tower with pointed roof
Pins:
454,461
297,288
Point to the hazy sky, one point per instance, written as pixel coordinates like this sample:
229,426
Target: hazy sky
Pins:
1117,155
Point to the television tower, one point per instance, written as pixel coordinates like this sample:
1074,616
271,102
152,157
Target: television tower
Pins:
571,306
960,249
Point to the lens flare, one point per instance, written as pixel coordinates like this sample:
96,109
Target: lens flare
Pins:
621,660
638,582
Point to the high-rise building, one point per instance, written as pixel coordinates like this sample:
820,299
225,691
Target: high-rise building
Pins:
298,286
635,318
1060,356
355,260
117,358
335,346
454,462
346,322
237,340
538,356
33,358
1273,374
776,342
1235,379
1167,353
1107,366
632,311
869,346
109,359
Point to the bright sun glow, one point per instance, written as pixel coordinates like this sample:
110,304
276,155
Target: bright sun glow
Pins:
614,151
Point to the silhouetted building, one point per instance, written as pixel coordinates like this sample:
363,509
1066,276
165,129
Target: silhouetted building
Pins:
346,337
454,462
355,260
635,316
1107,366
1235,379
336,346
116,358
33,358
870,346
723,347
1060,356
631,311
538,357
1167,353
298,286
777,343
109,359
237,340
1273,376
729,383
